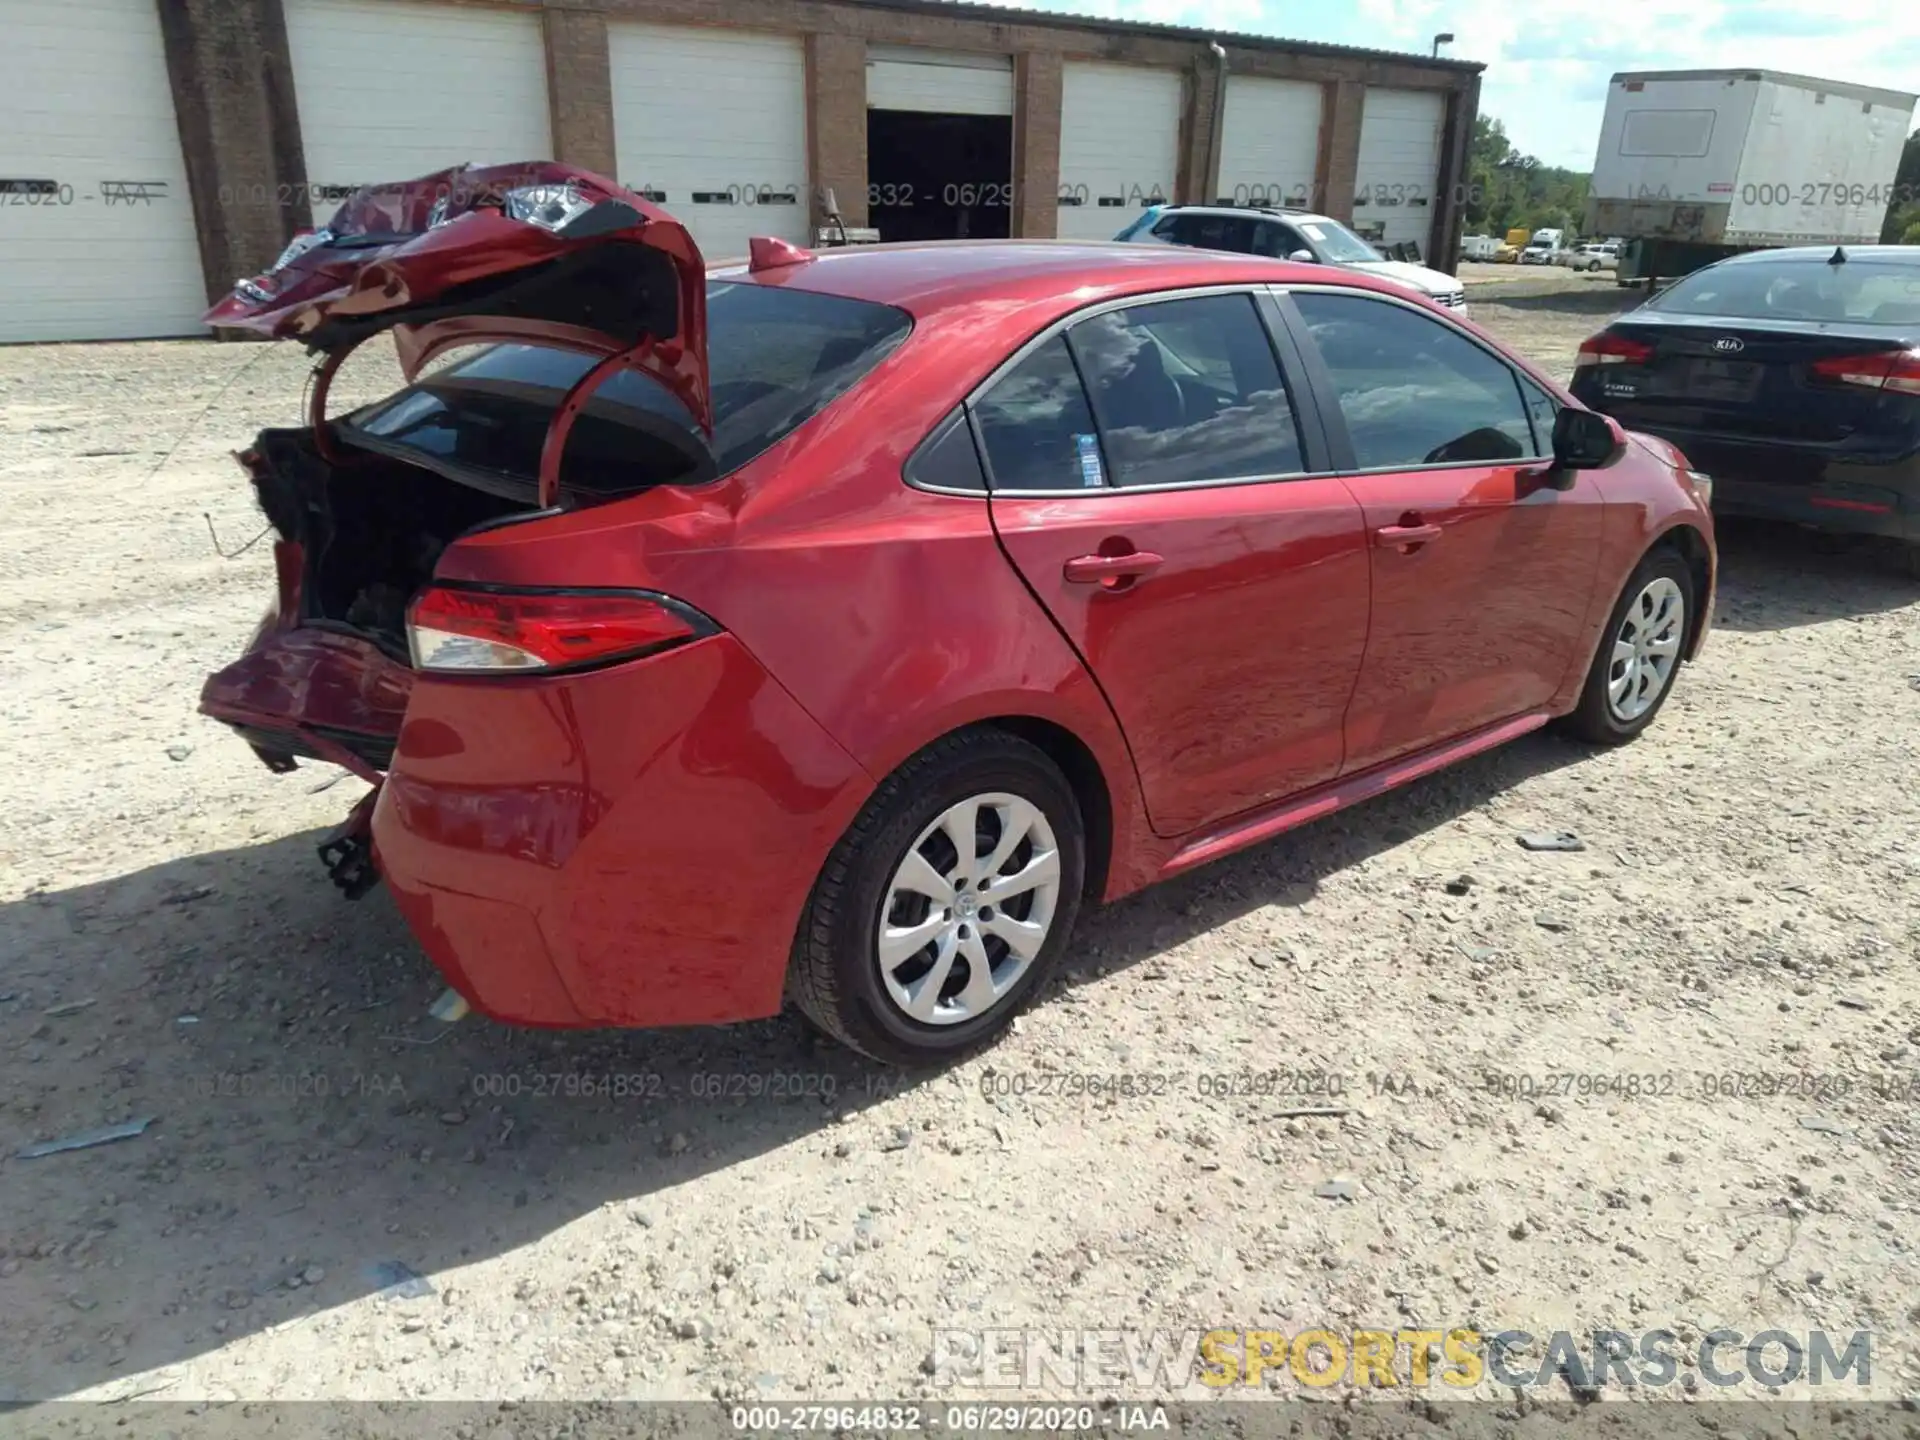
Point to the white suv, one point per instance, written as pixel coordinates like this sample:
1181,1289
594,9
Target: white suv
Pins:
1286,235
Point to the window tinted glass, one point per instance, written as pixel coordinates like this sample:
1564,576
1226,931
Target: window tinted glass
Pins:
1037,428
1414,392
1272,238
775,358
948,458
1208,232
1800,289
1188,390
1542,409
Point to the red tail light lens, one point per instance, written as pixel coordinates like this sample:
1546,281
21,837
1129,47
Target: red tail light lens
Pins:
1897,370
497,631
1606,349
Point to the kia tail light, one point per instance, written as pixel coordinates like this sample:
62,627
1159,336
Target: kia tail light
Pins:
466,630
1609,349
1896,370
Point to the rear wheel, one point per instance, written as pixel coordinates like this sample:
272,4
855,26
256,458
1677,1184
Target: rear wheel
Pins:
945,905
1639,652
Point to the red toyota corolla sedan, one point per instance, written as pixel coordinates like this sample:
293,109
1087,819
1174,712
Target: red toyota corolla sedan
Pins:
832,627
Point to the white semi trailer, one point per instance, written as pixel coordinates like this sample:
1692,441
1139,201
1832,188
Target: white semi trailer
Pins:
1696,165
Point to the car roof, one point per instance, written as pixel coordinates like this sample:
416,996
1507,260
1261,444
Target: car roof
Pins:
1869,254
924,277
1285,211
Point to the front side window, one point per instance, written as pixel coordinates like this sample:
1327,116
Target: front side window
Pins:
1414,392
1188,390
1208,232
1542,411
1036,426
1277,240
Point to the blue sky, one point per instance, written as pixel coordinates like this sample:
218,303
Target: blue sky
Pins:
1548,63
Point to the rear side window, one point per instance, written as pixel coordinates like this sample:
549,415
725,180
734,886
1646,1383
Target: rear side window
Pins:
1412,391
948,458
1036,425
1188,391
775,358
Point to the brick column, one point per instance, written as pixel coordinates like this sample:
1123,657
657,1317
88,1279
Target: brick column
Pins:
580,89
1443,241
232,81
1339,166
837,125
1037,80
1200,137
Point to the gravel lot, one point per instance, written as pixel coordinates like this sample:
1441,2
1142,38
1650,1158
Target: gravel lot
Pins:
1748,901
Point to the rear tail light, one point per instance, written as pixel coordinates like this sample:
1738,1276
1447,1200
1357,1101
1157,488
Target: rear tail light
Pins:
497,631
1897,370
1606,349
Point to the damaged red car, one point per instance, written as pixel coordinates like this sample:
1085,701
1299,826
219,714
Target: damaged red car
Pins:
832,628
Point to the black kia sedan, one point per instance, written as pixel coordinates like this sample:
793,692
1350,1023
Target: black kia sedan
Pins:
1791,377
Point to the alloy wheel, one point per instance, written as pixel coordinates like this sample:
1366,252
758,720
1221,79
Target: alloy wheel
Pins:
968,909
1646,649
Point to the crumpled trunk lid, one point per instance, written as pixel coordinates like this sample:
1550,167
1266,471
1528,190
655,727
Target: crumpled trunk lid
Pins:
538,252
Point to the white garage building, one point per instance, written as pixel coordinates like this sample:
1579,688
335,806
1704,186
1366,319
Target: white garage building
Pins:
153,150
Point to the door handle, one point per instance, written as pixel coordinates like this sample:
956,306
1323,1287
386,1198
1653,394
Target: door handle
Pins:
1404,537
1092,569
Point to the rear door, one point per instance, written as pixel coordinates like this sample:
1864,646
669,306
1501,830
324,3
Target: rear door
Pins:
1481,568
1165,493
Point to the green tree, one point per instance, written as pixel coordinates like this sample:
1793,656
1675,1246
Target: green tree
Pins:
1506,188
1903,212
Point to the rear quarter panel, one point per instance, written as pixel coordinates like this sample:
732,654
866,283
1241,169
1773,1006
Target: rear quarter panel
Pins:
891,615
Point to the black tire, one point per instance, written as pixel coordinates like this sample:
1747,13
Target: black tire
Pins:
1595,720
834,975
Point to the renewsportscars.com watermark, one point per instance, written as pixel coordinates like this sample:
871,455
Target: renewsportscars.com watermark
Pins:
1460,1358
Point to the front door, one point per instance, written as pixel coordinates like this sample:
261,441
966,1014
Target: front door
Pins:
1482,562
1166,513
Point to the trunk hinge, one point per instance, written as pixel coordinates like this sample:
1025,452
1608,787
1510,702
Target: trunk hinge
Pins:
562,423
317,401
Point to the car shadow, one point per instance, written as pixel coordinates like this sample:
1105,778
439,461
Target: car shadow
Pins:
1776,576
317,1137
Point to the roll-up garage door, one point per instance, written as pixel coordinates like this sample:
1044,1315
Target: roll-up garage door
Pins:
712,124
97,239
388,90
903,77
1119,146
1399,169
939,144
1270,142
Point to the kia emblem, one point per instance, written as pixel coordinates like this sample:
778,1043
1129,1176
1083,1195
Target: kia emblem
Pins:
1729,345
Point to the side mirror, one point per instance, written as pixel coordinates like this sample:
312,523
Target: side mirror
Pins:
1304,257
1583,440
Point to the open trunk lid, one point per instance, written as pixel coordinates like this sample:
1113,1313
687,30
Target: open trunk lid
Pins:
533,254
538,252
